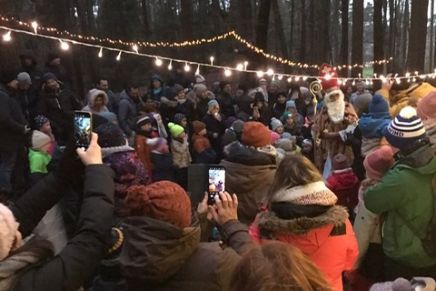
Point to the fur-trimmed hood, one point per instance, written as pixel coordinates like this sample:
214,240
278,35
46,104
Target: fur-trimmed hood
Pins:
336,215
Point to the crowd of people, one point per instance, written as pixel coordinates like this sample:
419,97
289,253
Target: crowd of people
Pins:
331,190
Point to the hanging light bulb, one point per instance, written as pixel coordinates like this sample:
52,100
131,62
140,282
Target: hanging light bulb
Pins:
158,62
64,45
197,72
170,65
34,25
407,75
270,72
227,72
135,48
354,83
118,57
187,67
100,53
280,77
245,65
289,79
339,82
304,78
259,74
398,80
240,67
7,36
212,58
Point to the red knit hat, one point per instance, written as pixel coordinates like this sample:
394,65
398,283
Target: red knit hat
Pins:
201,144
329,77
255,134
198,126
379,162
427,106
164,200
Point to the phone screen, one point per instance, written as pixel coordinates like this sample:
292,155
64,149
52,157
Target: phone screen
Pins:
82,128
217,177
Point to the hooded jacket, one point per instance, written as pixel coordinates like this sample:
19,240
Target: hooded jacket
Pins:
159,256
91,100
327,239
405,195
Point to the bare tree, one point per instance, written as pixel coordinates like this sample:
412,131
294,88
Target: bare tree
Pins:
186,18
418,35
357,40
378,34
344,34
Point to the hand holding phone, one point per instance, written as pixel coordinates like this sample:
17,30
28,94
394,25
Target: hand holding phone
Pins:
217,177
82,128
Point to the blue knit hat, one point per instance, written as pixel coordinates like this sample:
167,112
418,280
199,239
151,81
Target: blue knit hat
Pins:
405,130
378,105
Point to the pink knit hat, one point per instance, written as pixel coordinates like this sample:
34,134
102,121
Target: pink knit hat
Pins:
10,237
378,163
427,106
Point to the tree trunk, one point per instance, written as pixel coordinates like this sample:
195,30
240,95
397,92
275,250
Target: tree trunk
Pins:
292,28
418,35
303,32
334,31
281,38
186,18
378,34
145,22
357,40
262,27
344,34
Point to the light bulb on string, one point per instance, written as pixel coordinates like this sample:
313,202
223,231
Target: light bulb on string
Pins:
245,65
64,45
289,79
34,25
398,80
170,65
118,58
7,36
158,62
270,72
354,83
135,48
279,77
240,67
197,72
304,78
187,67
100,53
339,82
413,79
212,58
259,74
227,72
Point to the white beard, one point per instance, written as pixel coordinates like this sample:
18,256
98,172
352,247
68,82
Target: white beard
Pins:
335,110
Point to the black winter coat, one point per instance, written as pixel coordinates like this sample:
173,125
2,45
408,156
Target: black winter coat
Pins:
214,126
78,260
12,123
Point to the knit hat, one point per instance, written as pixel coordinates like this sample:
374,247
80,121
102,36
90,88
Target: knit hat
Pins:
340,162
178,88
211,104
405,130
198,126
274,137
378,162
238,126
175,129
178,117
290,104
427,106
199,88
275,123
285,144
362,101
110,135
255,134
378,104
39,121
164,200
10,237
49,76
315,193
39,139
287,135
24,78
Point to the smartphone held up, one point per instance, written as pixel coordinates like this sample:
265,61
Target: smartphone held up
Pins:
217,176
82,128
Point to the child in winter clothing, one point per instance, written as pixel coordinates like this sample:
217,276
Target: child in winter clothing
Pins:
42,124
343,182
203,152
367,224
233,133
277,126
373,124
279,107
181,155
161,160
144,131
39,156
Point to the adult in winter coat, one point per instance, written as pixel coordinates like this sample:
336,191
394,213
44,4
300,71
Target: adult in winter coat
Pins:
250,168
215,126
31,266
162,249
406,195
226,100
302,212
128,109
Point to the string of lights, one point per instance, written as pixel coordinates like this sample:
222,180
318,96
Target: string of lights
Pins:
35,27
64,44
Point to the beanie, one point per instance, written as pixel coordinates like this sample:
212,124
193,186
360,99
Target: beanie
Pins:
405,130
275,123
175,129
200,88
290,104
399,284
361,102
274,137
110,135
378,105
378,162
39,139
211,104
229,121
164,200
198,126
340,162
143,120
427,106
178,117
238,126
178,88
49,76
255,134
39,121
24,78
10,237
285,144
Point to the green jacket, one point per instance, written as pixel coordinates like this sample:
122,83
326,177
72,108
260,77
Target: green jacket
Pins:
38,161
405,196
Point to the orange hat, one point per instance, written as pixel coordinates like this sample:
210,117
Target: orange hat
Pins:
255,134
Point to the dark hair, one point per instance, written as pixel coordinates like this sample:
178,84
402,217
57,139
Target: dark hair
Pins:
294,170
276,266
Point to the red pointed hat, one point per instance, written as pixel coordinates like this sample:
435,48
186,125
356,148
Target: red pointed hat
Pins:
329,77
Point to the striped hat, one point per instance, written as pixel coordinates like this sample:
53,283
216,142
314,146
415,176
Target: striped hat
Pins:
405,130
